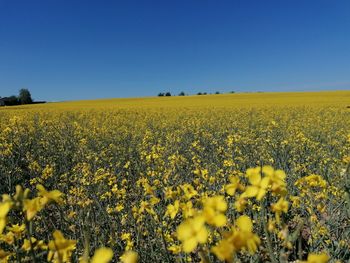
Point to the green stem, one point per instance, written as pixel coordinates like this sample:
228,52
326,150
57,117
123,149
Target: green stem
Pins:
268,238
29,235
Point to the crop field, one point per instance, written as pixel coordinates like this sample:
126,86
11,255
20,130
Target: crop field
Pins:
260,177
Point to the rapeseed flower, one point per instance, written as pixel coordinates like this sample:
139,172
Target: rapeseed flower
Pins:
60,249
192,232
317,258
243,236
129,257
258,187
4,210
172,210
224,250
102,255
233,186
32,207
279,207
49,196
213,210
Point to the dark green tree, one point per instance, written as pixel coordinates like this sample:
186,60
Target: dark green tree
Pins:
25,97
12,100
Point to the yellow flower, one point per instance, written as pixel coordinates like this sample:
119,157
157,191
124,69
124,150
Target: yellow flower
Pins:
233,186
17,229
32,207
295,201
223,250
119,207
36,244
187,209
8,238
268,170
277,179
51,196
175,249
271,225
213,208
60,248
129,257
240,203
102,255
4,256
173,209
4,210
258,185
317,258
191,232
20,195
279,207
243,237
126,236
189,191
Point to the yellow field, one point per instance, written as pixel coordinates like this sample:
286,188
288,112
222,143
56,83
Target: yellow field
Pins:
324,98
238,177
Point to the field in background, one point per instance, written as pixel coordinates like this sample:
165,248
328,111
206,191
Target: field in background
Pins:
324,98
170,178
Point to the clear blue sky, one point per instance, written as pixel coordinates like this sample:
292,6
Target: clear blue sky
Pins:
70,49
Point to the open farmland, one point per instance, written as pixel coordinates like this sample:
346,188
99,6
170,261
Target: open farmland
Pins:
238,177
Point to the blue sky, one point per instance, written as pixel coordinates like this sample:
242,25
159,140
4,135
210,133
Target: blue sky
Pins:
68,50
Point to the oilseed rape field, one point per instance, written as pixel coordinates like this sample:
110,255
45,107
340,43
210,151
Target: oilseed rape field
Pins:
260,177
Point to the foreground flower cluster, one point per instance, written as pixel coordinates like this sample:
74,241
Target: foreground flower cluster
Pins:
234,237
146,184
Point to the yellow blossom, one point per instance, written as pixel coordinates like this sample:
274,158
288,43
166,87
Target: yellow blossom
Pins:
191,232
317,258
258,185
187,209
213,210
173,209
279,207
4,210
175,249
49,196
223,250
189,191
4,256
243,236
129,257
8,238
233,186
102,255
240,203
60,248
32,207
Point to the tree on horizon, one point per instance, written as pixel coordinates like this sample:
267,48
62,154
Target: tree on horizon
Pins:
25,97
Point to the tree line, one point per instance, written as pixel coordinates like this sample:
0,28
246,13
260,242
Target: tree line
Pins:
24,97
168,94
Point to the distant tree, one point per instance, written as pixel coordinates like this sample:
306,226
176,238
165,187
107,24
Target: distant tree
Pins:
199,93
25,97
168,94
160,94
12,100
182,93
232,91
217,92
204,93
